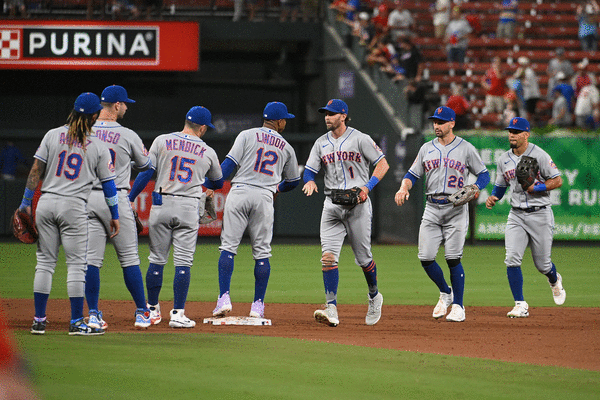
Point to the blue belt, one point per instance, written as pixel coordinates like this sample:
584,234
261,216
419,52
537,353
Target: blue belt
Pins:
440,200
530,209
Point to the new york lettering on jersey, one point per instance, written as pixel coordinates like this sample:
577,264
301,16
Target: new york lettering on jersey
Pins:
341,156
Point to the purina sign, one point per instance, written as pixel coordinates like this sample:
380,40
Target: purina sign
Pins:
163,46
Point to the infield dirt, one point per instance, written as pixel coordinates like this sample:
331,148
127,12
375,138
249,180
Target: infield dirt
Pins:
559,336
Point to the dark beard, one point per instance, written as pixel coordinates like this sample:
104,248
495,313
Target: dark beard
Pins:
513,146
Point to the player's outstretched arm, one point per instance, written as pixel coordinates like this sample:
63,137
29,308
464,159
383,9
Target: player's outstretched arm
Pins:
497,194
407,183
310,186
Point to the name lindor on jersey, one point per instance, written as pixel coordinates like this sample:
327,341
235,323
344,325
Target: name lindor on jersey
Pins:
445,163
270,140
185,146
341,156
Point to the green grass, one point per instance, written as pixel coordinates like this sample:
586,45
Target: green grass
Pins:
225,366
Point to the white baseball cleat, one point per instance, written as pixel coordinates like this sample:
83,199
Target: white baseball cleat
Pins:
374,311
223,306
257,310
179,320
155,315
558,293
441,308
520,310
328,315
457,314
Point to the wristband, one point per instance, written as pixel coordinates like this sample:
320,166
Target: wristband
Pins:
27,198
540,187
372,182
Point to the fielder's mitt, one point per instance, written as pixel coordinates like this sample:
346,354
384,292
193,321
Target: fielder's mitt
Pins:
346,197
24,227
464,195
527,170
138,223
210,214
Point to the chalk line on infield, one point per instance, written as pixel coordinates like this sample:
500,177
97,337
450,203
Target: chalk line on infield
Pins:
238,321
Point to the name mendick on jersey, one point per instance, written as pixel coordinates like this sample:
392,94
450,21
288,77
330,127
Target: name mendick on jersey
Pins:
271,140
185,146
341,156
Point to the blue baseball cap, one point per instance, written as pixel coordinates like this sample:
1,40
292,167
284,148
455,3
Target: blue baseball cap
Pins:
276,110
87,103
519,124
444,113
199,115
335,106
115,94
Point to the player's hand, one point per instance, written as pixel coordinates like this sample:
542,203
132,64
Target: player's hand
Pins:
209,193
364,194
401,196
309,188
115,226
490,202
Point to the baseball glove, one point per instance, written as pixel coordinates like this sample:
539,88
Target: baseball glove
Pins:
527,170
346,197
138,223
210,214
464,195
24,227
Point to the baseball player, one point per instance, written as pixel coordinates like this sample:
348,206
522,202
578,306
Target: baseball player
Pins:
345,155
530,219
266,165
446,162
182,161
125,147
68,161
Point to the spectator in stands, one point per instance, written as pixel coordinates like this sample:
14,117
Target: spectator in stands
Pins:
363,28
10,159
124,9
511,110
593,122
515,85
586,103
587,15
408,60
382,54
558,64
531,90
400,21
507,21
460,105
346,9
582,77
289,8
561,114
441,17
566,90
494,83
457,37
16,5
380,22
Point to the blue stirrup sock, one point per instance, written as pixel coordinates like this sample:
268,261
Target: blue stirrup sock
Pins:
515,281
154,280
92,287
225,271
40,300
135,284
552,277
76,308
181,285
435,273
331,279
457,277
262,271
370,272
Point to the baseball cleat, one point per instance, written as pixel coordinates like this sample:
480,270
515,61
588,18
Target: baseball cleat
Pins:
95,320
258,309
142,318
223,306
39,326
179,320
155,315
441,308
374,311
328,315
80,328
558,293
457,314
520,310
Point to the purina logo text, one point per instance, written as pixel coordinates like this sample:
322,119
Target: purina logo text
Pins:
78,42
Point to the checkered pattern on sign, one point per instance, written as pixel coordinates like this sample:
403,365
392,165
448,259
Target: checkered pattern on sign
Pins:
9,44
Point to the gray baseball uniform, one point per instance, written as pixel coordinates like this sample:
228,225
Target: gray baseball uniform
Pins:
182,162
264,159
124,146
346,162
531,219
61,215
446,169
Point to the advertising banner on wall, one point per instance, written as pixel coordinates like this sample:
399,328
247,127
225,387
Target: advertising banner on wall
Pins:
576,205
99,45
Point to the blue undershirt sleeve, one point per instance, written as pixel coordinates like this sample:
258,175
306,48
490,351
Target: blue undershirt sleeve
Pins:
140,183
482,180
286,186
308,175
410,177
498,191
112,199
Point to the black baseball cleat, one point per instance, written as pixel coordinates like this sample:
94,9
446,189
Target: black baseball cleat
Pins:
38,327
79,327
